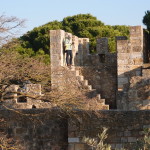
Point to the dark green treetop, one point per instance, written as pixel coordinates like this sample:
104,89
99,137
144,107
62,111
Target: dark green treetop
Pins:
146,19
81,25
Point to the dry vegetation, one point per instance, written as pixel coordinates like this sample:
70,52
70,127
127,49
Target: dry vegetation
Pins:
9,28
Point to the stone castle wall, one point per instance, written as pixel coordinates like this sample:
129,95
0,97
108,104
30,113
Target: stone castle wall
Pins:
133,84
123,77
99,68
50,129
101,72
103,79
114,75
124,128
34,129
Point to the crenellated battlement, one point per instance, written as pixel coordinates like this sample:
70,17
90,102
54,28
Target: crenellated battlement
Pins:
120,79
103,81
130,62
111,74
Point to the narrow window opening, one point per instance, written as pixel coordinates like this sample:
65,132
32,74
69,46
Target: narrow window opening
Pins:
101,58
21,99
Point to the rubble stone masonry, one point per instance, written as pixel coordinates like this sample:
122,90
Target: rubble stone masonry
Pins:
119,81
133,76
50,129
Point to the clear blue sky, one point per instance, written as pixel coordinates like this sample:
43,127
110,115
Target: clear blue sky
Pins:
111,12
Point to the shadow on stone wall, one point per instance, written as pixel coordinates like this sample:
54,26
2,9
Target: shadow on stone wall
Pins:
55,129
104,80
100,69
41,129
135,91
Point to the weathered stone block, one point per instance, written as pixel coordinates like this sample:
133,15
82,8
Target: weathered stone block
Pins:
71,147
136,55
124,139
123,62
79,147
137,49
119,146
135,30
73,140
123,56
102,45
34,89
132,139
122,80
127,133
146,72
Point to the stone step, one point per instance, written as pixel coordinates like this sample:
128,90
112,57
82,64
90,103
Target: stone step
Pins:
89,87
98,96
85,82
101,101
96,106
77,72
80,78
92,93
72,68
105,107
72,73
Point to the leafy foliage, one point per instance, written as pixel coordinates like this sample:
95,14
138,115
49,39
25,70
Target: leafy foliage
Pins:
81,25
146,19
143,144
78,24
38,38
99,143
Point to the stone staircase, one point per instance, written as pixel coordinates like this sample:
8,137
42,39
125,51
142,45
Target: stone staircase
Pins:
96,101
91,99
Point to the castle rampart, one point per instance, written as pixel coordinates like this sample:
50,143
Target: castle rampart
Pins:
114,75
119,81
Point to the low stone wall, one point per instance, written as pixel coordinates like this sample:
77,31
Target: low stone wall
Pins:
49,129
34,129
124,128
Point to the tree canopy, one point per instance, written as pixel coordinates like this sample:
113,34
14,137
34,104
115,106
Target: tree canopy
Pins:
146,19
81,25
